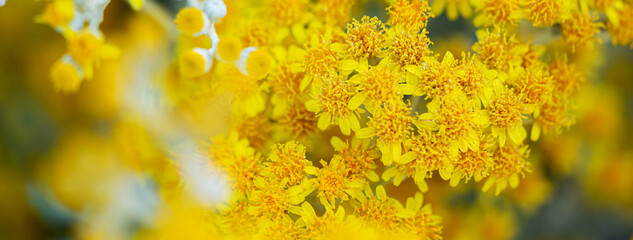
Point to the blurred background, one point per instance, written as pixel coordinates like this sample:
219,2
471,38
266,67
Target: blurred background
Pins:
87,160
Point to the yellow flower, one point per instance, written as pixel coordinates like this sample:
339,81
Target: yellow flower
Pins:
334,12
427,152
272,200
287,161
365,39
473,163
255,129
195,62
412,14
320,227
247,91
378,86
228,49
332,182
621,31
286,12
497,12
506,113
391,124
379,210
567,79
457,118
475,78
255,62
436,79
547,12
534,86
192,21
330,103
509,162
299,121
499,51
65,76
358,157
408,47
282,228
58,13
321,61
423,224
553,115
580,30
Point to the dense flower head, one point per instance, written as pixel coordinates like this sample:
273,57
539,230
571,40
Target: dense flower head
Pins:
286,12
534,85
432,152
474,163
365,38
546,12
393,122
620,31
321,61
288,161
438,78
497,50
408,47
509,164
380,85
412,14
580,30
566,77
300,121
501,12
379,210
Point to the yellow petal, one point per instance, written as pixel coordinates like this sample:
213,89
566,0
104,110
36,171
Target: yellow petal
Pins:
406,158
345,126
514,180
337,143
365,132
357,100
455,178
381,193
536,132
324,121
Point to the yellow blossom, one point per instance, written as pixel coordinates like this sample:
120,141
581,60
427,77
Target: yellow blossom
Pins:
506,114
332,182
330,104
454,8
509,162
287,161
365,39
412,14
391,125
580,30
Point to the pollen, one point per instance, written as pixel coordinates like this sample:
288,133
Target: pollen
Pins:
259,63
393,123
412,14
410,47
580,30
229,48
381,85
190,20
365,38
287,161
440,78
84,47
65,77
287,12
544,12
506,110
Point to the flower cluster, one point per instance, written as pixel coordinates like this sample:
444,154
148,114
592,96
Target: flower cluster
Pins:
330,115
